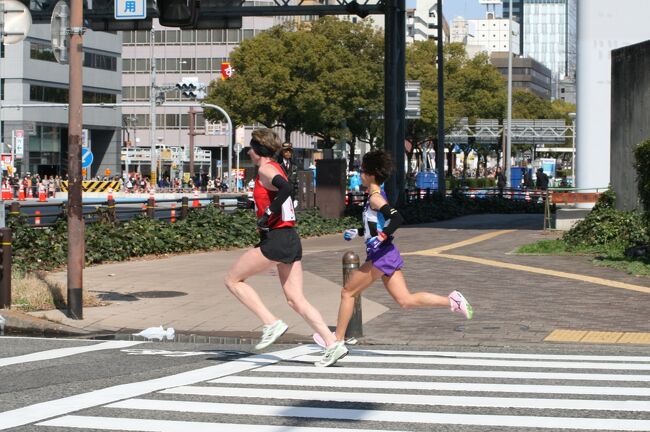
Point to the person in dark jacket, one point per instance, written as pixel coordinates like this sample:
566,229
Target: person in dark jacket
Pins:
542,179
501,180
285,159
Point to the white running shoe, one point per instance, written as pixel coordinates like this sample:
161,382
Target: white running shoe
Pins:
332,354
270,333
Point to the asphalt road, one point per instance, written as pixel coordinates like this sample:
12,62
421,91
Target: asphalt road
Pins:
63,385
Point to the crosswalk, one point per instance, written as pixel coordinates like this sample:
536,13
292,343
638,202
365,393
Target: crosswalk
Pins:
371,389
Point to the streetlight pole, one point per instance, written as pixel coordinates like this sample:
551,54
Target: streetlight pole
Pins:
573,146
509,120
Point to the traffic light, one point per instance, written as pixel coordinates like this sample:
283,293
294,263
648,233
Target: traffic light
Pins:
191,88
198,14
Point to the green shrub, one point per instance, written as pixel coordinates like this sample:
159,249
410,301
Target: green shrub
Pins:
205,229
607,226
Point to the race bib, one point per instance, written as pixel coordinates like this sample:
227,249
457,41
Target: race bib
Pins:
288,213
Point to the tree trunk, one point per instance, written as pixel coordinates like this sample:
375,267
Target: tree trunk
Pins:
352,144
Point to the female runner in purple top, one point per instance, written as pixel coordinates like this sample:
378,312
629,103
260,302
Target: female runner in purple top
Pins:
383,259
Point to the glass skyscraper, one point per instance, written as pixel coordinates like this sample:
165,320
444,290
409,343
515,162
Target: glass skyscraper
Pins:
548,33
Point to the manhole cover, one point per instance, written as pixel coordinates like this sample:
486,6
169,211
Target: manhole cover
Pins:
157,294
492,327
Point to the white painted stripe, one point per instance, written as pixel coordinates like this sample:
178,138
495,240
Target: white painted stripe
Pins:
57,407
65,352
435,386
483,362
409,399
388,416
148,425
461,354
454,373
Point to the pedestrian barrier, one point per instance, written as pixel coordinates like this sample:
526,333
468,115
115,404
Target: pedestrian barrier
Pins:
95,186
48,213
355,327
5,269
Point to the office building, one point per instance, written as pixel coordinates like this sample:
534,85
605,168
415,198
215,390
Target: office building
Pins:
487,35
422,21
30,74
527,73
548,34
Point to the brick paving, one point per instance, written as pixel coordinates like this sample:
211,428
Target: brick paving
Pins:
511,306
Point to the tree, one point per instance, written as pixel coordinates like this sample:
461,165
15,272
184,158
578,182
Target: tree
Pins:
324,79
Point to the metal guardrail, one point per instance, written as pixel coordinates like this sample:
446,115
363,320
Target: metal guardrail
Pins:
45,214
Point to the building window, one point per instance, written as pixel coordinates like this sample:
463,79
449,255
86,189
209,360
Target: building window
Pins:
60,95
172,36
188,36
40,51
100,61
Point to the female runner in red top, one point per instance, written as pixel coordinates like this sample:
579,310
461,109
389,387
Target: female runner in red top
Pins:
279,245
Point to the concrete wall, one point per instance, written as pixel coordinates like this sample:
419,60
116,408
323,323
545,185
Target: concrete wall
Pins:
603,25
630,118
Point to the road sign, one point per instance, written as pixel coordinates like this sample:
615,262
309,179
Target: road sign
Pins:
85,138
86,158
130,9
19,140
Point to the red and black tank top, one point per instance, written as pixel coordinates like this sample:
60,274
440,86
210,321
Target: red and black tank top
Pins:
263,198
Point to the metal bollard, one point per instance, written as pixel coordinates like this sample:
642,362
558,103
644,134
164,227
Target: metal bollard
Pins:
184,207
355,327
5,280
110,209
151,208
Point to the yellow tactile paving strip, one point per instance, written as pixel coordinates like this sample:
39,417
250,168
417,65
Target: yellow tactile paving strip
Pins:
586,336
548,272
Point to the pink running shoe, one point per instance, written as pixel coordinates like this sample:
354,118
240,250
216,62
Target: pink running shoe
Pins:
321,343
319,339
460,304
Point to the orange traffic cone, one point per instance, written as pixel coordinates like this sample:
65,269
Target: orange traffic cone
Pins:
37,219
30,194
173,214
110,194
21,193
42,197
6,192
196,202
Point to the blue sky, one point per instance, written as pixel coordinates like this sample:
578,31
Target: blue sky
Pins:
470,9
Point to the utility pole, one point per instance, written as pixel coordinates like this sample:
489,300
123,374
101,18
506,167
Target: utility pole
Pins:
506,161
440,149
76,238
152,113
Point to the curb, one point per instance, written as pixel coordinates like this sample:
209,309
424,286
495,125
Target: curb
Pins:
22,323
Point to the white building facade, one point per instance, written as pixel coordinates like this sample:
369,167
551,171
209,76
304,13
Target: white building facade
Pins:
487,35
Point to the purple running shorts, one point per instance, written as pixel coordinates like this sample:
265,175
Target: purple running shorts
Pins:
386,258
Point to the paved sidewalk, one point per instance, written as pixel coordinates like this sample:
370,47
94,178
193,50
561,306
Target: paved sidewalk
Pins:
517,299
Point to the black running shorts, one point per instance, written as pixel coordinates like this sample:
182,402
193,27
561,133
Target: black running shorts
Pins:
281,245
